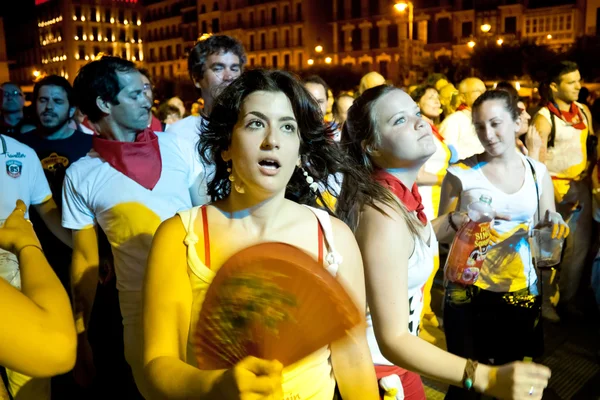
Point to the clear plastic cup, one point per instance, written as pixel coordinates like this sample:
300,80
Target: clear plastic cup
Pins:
546,250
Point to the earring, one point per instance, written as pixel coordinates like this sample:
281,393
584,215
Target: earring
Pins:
311,182
238,187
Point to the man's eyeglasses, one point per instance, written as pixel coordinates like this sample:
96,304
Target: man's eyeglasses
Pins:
11,93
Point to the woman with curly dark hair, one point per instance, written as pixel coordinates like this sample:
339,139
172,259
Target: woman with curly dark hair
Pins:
268,143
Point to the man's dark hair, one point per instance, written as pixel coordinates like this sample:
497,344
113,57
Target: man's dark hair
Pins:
316,79
100,79
55,80
146,73
556,71
213,45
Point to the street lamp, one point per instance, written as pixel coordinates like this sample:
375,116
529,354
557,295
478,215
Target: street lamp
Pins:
401,6
36,73
310,61
328,60
471,44
499,42
319,48
549,37
485,28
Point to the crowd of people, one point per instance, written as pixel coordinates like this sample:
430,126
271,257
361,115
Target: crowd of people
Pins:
135,209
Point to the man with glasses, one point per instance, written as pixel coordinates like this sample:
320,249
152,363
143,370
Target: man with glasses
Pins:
13,122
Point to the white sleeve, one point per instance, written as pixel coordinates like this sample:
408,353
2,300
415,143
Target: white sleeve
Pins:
198,173
75,212
450,130
38,184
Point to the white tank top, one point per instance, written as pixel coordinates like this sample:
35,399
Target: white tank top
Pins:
420,267
508,266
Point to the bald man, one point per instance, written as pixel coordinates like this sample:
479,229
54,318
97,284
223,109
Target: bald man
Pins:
457,129
370,80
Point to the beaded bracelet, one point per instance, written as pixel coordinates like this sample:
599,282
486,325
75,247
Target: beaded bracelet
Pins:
469,374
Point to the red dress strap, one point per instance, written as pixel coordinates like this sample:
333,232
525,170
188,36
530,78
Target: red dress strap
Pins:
320,237
206,238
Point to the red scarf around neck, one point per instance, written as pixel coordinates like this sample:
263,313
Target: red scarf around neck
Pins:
410,198
573,116
436,133
462,106
139,160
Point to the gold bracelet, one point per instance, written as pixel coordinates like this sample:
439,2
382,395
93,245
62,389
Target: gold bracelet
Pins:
469,374
29,245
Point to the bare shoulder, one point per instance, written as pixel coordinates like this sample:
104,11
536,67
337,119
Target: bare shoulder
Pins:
171,228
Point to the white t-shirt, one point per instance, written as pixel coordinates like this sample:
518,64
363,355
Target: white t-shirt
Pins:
420,267
508,266
22,177
188,130
129,214
457,130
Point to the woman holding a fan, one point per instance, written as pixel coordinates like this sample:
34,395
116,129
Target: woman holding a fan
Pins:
267,141
389,142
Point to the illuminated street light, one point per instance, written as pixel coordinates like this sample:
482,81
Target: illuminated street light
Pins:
401,7
310,61
518,85
36,73
471,44
549,37
328,60
485,28
499,42
319,48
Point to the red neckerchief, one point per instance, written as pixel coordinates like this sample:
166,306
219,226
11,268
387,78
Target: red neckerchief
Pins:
463,106
155,124
436,132
139,160
573,116
410,198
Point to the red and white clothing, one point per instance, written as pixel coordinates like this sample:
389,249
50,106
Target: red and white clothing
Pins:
457,130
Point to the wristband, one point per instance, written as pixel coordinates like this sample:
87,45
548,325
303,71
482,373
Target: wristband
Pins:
469,374
451,222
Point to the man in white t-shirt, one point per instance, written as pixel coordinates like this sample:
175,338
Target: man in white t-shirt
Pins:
22,178
213,64
131,181
457,129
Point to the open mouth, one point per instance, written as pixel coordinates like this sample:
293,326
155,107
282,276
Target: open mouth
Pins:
269,164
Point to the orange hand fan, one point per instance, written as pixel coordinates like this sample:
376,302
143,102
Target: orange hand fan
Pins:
271,301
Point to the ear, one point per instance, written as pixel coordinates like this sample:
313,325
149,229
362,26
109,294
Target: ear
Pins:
554,87
226,156
103,105
71,112
299,162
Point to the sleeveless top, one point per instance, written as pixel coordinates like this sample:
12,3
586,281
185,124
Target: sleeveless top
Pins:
420,267
508,266
310,378
567,160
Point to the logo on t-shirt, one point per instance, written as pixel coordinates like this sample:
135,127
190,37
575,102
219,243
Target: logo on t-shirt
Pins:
54,162
14,168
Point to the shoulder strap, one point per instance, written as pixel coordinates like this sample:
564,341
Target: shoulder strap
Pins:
333,258
206,237
537,190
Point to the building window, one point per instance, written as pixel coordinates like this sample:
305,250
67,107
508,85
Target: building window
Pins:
300,60
81,52
215,25
178,51
373,7
134,18
263,61
203,9
161,54
152,55
392,35
541,25
286,61
355,9
78,12
299,12
171,72
263,41
366,67
356,39
383,68
534,26
374,38
274,61
568,22
286,14
287,38
342,41
108,34
216,6
554,23
340,9
96,50
444,29
299,37
93,14
204,28
162,70
251,19
136,35
528,26
107,15
275,40
273,16
169,53
79,30
239,20
510,25
121,16
251,42
122,37
95,33
467,29
252,62
263,18
124,53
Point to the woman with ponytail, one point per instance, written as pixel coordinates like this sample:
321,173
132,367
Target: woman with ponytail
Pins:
389,141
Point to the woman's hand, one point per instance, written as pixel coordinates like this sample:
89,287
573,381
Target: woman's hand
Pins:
252,379
17,232
560,229
518,380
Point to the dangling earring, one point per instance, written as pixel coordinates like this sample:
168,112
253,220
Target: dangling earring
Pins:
238,187
309,179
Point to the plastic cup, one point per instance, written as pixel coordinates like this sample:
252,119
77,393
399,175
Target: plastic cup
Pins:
546,250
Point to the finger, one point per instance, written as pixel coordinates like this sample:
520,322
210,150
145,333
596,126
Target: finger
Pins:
567,230
259,366
21,205
538,371
555,230
563,231
263,385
